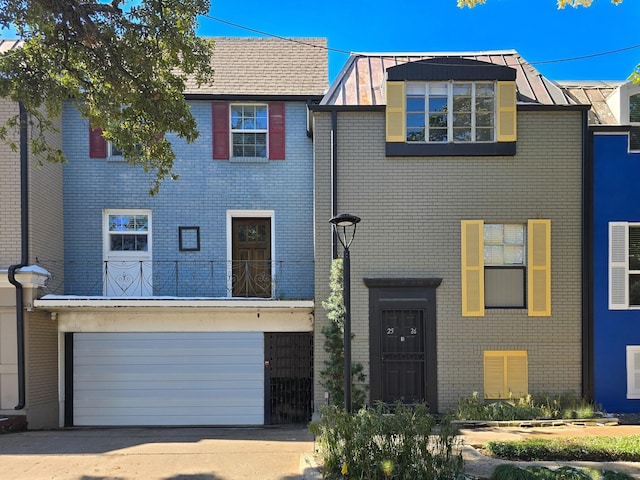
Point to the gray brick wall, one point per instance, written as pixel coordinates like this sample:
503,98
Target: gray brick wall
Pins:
411,210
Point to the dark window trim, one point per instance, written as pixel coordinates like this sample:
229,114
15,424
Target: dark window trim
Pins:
183,241
400,149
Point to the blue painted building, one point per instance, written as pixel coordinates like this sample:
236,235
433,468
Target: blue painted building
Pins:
612,343
195,306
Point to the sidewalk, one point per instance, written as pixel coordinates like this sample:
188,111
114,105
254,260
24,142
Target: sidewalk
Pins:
271,453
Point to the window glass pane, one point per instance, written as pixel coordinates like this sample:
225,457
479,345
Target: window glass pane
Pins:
438,89
493,255
514,234
634,248
484,119
634,139
634,290
461,104
249,144
484,134
462,89
462,120
415,135
514,255
248,117
504,244
437,134
437,121
415,120
131,223
484,105
493,234
462,134
504,287
124,243
415,104
437,104
634,108
484,90
414,88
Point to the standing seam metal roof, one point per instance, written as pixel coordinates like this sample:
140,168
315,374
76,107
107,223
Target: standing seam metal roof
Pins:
361,80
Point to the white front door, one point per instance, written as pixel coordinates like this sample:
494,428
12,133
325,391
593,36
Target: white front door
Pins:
127,267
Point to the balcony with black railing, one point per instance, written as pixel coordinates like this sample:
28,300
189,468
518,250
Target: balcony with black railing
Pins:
282,279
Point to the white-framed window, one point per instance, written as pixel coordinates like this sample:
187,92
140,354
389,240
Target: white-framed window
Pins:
127,255
634,120
450,112
249,128
633,371
113,150
127,231
624,265
504,265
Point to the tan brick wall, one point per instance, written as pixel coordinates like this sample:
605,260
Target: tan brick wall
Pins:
46,236
9,193
411,210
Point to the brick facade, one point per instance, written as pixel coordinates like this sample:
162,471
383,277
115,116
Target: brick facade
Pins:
411,210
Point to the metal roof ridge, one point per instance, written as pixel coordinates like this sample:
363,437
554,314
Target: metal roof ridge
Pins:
413,54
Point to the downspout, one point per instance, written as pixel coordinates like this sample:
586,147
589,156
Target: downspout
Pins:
334,178
24,233
587,259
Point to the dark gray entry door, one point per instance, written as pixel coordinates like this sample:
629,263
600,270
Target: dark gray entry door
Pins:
402,336
403,356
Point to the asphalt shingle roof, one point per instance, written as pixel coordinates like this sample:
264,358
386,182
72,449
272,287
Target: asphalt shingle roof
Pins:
267,66
260,67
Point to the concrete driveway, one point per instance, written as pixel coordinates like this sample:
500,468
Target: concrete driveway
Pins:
272,453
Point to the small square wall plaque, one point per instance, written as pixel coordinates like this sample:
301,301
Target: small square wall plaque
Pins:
189,239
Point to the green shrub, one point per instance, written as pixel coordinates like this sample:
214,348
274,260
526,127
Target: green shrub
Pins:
596,449
332,375
530,407
513,472
381,443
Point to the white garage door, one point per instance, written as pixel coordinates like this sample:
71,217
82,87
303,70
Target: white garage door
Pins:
168,379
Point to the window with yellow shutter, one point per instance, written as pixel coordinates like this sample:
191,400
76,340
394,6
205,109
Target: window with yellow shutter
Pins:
506,266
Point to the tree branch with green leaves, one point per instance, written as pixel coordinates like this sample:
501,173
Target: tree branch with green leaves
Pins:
123,64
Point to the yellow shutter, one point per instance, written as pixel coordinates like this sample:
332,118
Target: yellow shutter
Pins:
395,112
517,374
505,374
507,117
472,268
494,374
539,268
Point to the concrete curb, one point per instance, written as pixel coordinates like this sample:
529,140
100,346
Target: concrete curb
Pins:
309,468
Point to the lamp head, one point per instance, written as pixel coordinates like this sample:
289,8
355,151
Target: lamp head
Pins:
345,220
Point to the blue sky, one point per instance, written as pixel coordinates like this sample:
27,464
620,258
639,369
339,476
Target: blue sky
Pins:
537,29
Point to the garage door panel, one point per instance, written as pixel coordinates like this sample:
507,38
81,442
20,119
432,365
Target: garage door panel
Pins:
139,378
159,398
168,420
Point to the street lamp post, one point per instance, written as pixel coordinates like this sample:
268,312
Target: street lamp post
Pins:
341,223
